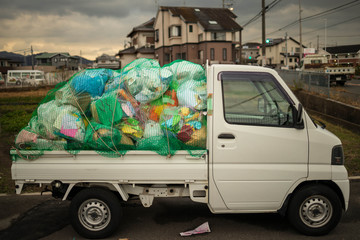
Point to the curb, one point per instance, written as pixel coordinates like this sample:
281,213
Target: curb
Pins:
354,178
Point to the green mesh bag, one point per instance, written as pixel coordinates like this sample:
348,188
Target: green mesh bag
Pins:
140,107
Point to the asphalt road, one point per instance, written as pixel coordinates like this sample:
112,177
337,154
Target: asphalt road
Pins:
49,220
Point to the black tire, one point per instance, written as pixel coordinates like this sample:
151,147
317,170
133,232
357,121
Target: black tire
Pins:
18,83
95,213
315,210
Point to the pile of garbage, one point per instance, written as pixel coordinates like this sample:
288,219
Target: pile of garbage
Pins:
140,107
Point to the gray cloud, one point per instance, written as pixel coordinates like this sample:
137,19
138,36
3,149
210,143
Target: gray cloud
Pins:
95,26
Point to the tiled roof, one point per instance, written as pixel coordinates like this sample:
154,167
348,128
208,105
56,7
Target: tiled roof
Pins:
50,55
145,27
211,19
129,50
344,49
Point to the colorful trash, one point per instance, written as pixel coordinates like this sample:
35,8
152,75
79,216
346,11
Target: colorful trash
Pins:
140,107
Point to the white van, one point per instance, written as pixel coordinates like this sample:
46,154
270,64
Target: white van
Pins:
25,77
264,154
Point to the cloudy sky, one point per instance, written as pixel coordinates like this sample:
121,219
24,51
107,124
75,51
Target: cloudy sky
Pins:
95,27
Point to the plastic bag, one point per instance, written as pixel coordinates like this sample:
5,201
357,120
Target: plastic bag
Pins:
102,137
64,120
91,81
192,94
184,71
147,84
107,109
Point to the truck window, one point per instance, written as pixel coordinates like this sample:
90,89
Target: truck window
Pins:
255,99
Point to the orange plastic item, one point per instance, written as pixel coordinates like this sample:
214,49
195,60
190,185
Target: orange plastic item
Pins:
133,102
172,94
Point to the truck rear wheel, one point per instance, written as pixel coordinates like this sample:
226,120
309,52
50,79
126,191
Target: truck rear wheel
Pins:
315,210
95,213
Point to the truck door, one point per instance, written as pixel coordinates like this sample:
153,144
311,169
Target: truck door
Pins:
258,154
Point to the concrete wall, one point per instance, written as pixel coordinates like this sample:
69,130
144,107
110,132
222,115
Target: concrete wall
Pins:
343,114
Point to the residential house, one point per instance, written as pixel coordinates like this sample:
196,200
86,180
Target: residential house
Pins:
346,54
141,45
197,34
106,61
250,52
281,52
59,60
8,64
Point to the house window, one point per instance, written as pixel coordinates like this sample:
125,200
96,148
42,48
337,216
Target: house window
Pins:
218,36
200,37
174,31
224,54
290,59
297,49
284,49
181,56
156,35
167,57
190,28
212,53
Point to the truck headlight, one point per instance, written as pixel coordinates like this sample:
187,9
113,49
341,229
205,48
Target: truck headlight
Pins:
337,155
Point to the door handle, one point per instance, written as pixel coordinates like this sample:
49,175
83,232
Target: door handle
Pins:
226,136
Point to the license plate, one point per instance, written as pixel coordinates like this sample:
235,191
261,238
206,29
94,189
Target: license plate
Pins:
338,78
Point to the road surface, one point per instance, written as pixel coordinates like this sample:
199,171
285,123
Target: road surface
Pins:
168,217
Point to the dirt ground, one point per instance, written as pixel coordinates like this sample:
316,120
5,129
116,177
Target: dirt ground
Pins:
24,92
6,184
7,140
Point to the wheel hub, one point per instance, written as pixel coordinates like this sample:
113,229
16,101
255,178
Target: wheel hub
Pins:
316,211
94,214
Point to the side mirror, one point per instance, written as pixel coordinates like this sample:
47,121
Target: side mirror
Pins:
299,122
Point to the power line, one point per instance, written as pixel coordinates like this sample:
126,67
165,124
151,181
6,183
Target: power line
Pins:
258,15
329,11
349,20
345,36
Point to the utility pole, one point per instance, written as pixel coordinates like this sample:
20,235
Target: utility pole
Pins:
80,60
301,46
325,33
32,58
317,47
24,58
263,33
286,46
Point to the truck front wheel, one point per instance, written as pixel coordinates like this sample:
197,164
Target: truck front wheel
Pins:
95,213
315,210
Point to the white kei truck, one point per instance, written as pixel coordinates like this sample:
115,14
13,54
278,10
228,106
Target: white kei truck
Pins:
264,155
338,74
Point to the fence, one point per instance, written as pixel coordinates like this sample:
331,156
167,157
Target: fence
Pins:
310,81
51,78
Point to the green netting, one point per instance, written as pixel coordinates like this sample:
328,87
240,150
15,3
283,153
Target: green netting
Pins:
140,107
